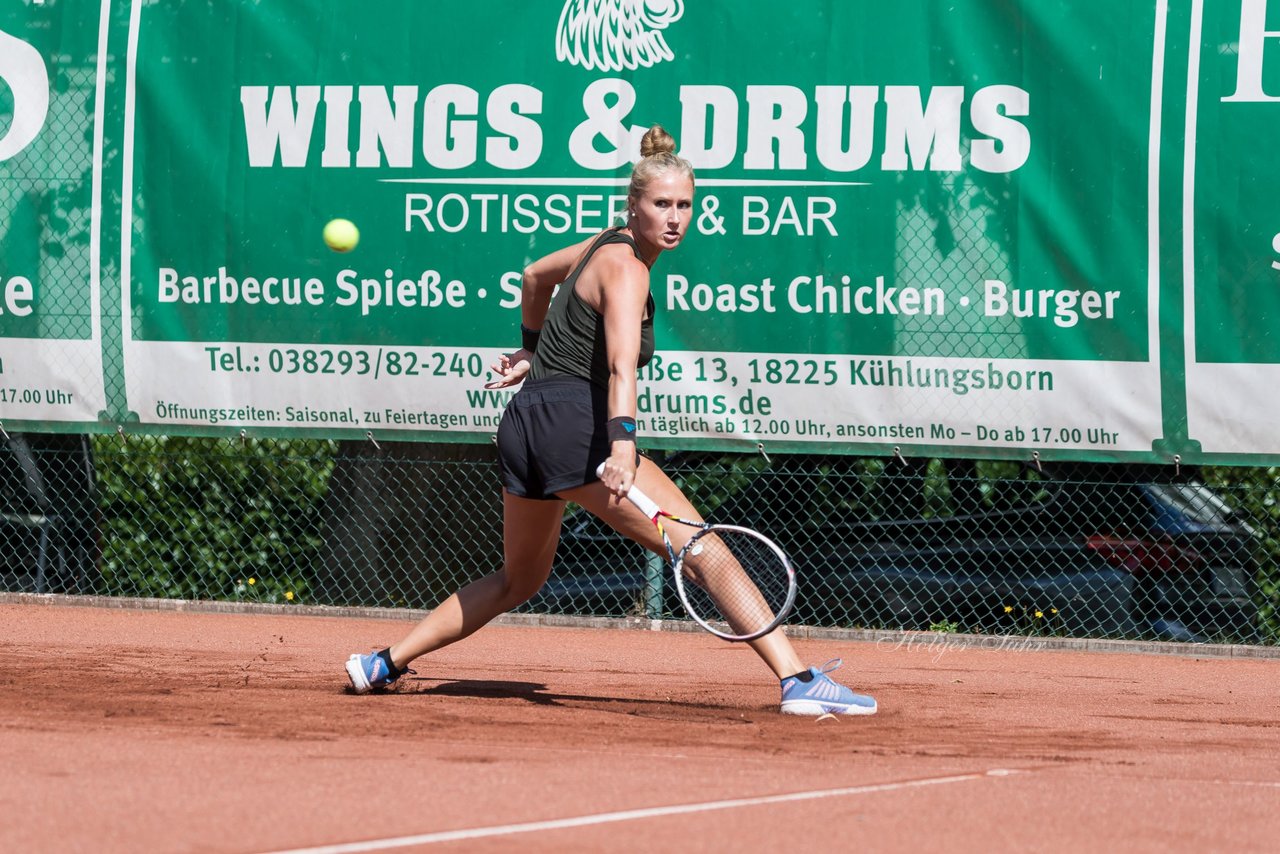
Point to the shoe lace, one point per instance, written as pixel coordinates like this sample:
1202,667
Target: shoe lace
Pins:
831,665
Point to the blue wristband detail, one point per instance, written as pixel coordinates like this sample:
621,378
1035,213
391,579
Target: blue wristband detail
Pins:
622,429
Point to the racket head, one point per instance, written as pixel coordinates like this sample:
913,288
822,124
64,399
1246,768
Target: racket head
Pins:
735,582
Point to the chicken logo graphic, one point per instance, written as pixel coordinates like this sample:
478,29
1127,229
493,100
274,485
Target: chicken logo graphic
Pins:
612,35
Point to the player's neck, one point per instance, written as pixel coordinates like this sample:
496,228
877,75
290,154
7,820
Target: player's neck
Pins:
649,252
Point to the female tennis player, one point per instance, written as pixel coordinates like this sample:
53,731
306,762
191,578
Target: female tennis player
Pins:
577,408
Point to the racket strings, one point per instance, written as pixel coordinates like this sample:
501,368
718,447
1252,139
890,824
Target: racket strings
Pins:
736,579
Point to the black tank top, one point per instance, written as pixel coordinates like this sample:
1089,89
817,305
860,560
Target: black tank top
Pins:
572,342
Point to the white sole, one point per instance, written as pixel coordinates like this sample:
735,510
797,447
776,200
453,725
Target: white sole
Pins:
813,707
356,673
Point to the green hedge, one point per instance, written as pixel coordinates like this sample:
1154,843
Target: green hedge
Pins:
198,518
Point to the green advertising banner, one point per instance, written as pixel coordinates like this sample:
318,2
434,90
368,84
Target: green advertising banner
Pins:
1231,211
946,228
51,152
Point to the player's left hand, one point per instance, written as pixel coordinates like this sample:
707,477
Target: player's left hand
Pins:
511,369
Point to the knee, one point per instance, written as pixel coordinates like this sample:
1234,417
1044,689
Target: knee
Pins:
692,576
520,586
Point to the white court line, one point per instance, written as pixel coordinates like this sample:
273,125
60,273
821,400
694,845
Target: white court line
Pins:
630,815
1265,784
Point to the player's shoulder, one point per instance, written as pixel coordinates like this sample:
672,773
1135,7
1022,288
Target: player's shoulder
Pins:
619,259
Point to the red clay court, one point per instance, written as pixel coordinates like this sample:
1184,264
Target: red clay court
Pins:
167,730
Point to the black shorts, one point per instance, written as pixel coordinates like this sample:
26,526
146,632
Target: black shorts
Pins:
553,436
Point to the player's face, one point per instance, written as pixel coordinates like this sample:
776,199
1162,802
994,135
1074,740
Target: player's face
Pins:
663,211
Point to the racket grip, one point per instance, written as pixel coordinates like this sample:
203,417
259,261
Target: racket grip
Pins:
638,498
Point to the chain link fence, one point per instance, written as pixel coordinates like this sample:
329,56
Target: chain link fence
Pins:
992,547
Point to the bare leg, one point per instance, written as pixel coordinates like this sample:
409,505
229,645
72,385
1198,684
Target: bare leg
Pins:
621,515
716,570
531,531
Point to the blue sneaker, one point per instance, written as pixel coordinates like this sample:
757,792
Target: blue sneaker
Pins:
369,673
822,695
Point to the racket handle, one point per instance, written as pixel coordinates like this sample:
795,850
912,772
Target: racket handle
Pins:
646,504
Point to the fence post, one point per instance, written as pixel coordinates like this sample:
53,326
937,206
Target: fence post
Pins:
653,571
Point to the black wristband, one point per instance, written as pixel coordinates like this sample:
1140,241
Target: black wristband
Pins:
529,338
622,429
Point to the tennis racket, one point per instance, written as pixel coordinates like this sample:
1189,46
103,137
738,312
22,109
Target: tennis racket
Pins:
734,582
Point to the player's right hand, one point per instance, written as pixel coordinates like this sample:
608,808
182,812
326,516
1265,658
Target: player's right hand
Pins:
619,471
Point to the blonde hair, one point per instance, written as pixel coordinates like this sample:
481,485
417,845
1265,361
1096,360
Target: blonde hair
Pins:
657,157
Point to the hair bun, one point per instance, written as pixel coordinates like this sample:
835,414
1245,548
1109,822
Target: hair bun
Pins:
657,141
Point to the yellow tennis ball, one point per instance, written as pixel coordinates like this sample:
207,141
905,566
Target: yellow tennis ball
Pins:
341,235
